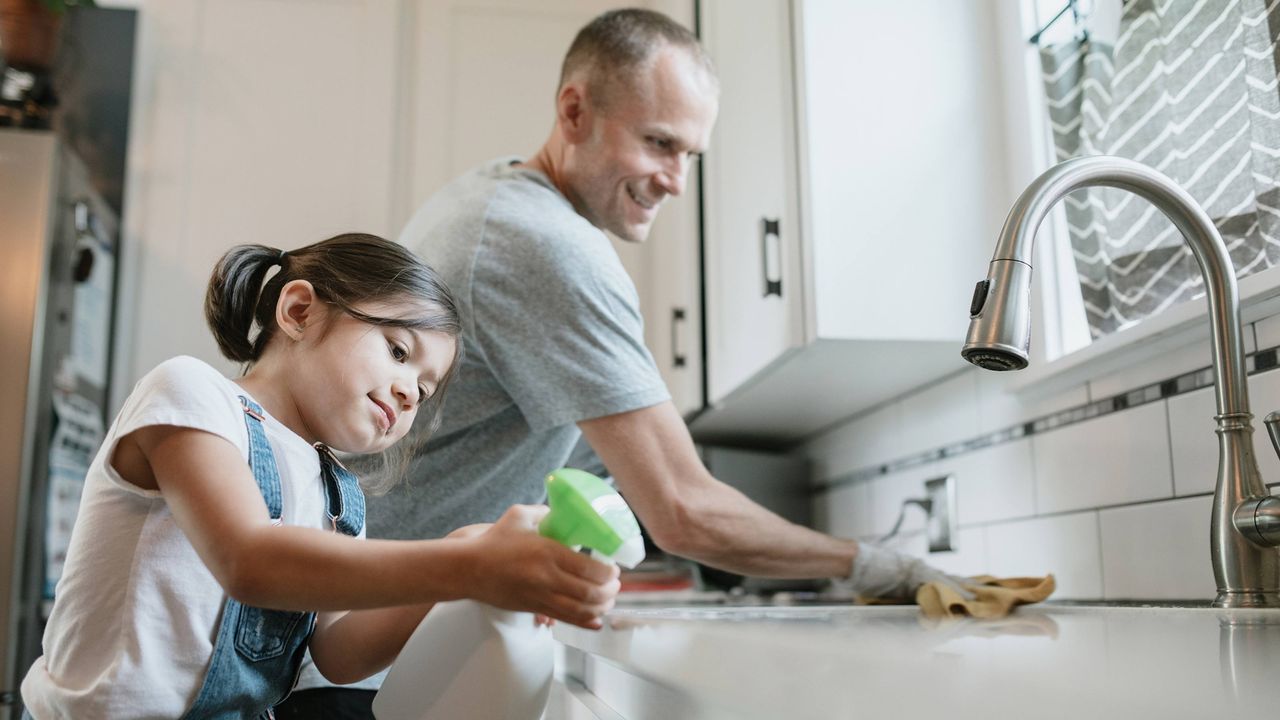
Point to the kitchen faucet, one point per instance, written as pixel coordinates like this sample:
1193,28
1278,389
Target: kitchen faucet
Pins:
1245,529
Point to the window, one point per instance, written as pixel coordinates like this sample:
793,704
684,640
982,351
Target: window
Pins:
1186,88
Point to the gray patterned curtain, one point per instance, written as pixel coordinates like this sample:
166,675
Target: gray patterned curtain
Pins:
1189,88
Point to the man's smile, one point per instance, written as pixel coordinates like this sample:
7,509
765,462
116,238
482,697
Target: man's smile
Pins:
642,202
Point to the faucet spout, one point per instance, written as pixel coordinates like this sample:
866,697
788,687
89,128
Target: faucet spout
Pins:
1246,564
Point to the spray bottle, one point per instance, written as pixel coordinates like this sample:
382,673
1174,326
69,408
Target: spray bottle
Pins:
468,659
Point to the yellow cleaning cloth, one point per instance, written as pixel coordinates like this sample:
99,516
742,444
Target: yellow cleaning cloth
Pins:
992,597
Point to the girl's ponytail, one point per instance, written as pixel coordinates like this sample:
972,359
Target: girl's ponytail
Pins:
346,271
232,300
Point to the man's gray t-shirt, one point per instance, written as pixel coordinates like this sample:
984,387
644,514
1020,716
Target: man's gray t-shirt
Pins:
553,335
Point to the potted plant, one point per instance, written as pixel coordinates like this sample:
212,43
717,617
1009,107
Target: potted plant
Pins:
29,31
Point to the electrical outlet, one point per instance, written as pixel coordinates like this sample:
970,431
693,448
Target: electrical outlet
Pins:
942,527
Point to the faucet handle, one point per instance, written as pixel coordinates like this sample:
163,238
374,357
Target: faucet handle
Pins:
1272,421
940,506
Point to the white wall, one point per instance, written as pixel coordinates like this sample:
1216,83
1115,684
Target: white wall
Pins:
252,122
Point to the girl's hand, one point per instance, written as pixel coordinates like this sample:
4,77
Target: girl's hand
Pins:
516,569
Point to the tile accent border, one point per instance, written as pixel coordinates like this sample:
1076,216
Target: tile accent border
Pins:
1257,362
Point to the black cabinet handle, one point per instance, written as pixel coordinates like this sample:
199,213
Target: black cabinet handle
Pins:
83,254
678,358
771,262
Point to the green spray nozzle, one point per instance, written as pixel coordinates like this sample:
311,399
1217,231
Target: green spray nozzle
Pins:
587,512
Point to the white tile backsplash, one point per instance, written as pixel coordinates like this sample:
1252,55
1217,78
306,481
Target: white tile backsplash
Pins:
1162,367
1195,445
995,483
887,496
871,439
941,414
845,511
1115,507
1267,331
1118,458
1064,545
1158,550
969,556
999,407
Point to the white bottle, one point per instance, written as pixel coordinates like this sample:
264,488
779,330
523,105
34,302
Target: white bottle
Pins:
470,660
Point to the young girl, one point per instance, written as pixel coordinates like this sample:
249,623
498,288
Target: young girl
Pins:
216,520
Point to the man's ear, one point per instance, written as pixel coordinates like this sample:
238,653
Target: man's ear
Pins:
573,112
297,308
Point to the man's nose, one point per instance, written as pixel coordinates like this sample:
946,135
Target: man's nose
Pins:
672,178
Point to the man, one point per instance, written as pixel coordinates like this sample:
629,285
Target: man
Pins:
552,329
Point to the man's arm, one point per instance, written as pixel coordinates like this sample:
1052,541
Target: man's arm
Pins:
690,513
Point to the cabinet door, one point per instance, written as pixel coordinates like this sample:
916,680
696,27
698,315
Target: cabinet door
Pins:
904,165
671,297
753,293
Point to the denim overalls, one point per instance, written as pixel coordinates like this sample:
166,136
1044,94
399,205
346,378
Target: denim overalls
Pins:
258,653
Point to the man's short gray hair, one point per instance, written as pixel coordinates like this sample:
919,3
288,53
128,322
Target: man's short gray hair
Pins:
620,44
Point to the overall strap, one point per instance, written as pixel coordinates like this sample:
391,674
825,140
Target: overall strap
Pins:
344,501
261,460
257,652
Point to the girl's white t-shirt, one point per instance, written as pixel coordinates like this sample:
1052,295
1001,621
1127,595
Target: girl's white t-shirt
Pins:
136,612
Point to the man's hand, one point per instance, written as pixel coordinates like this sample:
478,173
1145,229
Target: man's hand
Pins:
882,573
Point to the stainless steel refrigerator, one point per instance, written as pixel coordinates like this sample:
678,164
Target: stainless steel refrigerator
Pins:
57,281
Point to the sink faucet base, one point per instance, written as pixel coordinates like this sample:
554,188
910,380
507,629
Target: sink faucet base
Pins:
1236,600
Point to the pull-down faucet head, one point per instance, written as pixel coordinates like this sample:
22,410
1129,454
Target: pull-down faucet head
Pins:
1246,518
999,335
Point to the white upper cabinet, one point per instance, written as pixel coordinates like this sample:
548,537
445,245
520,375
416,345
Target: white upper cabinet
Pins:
854,187
752,242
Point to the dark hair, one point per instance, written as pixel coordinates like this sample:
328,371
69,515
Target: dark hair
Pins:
345,271
619,44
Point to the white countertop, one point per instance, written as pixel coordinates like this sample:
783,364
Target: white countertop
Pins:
1043,661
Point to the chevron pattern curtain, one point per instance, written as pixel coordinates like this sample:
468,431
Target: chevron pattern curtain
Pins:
1189,88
